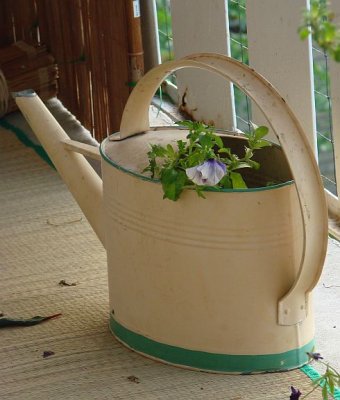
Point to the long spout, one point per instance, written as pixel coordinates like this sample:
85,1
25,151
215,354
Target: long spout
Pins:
80,178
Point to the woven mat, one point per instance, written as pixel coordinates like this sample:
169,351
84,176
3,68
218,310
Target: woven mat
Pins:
44,238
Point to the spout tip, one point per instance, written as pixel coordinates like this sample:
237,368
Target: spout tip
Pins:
24,93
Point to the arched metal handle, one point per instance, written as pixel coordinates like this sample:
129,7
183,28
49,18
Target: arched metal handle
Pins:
293,307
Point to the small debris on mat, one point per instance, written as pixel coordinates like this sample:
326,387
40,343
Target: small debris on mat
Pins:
133,378
7,322
50,222
330,286
1,314
64,283
48,354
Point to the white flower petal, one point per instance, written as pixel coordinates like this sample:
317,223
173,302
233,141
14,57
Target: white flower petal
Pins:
209,173
194,175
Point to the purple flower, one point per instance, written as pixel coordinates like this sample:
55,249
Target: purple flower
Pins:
315,356
207,174
295,395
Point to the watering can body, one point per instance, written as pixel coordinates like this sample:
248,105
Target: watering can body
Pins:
222,284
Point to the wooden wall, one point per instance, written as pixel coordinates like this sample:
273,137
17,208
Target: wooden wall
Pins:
89,41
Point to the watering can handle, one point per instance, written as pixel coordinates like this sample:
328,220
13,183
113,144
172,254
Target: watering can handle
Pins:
293,307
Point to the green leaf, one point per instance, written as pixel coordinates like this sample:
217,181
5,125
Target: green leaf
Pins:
336,54
172,183
187,124
263,143
325,393
218,141
7,322
225,182
225,150
157,151
260,132
194,159
237,181
170,151
181,146
205,140
199,191
253,164
240,165
304,32
331,386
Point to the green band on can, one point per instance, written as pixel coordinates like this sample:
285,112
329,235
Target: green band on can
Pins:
242,364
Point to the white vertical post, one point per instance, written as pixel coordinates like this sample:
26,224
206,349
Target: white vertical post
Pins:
334,70
203,26
277,52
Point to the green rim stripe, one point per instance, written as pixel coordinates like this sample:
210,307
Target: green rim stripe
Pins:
244,364
26,141
146,178
313,374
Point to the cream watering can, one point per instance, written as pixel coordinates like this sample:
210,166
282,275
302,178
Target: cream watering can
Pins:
222,284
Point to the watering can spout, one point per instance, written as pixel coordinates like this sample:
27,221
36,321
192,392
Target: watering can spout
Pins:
80,178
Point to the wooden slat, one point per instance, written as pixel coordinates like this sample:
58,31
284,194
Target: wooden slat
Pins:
6,26
203,95
25,20
276,52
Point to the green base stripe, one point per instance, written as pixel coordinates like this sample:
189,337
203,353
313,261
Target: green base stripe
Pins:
244,364
26,141
313,374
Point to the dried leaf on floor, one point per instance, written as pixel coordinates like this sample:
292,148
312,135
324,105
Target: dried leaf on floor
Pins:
8,322
64,283
133,378
48,354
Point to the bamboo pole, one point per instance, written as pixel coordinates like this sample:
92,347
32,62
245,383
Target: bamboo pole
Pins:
136,54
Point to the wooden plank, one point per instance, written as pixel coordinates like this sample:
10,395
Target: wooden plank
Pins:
203,95
276,52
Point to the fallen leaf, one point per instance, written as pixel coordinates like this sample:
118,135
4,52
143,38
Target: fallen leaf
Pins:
64,283
6,322
48,354
133,378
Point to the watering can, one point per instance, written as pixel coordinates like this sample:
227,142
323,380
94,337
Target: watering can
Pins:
220,284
